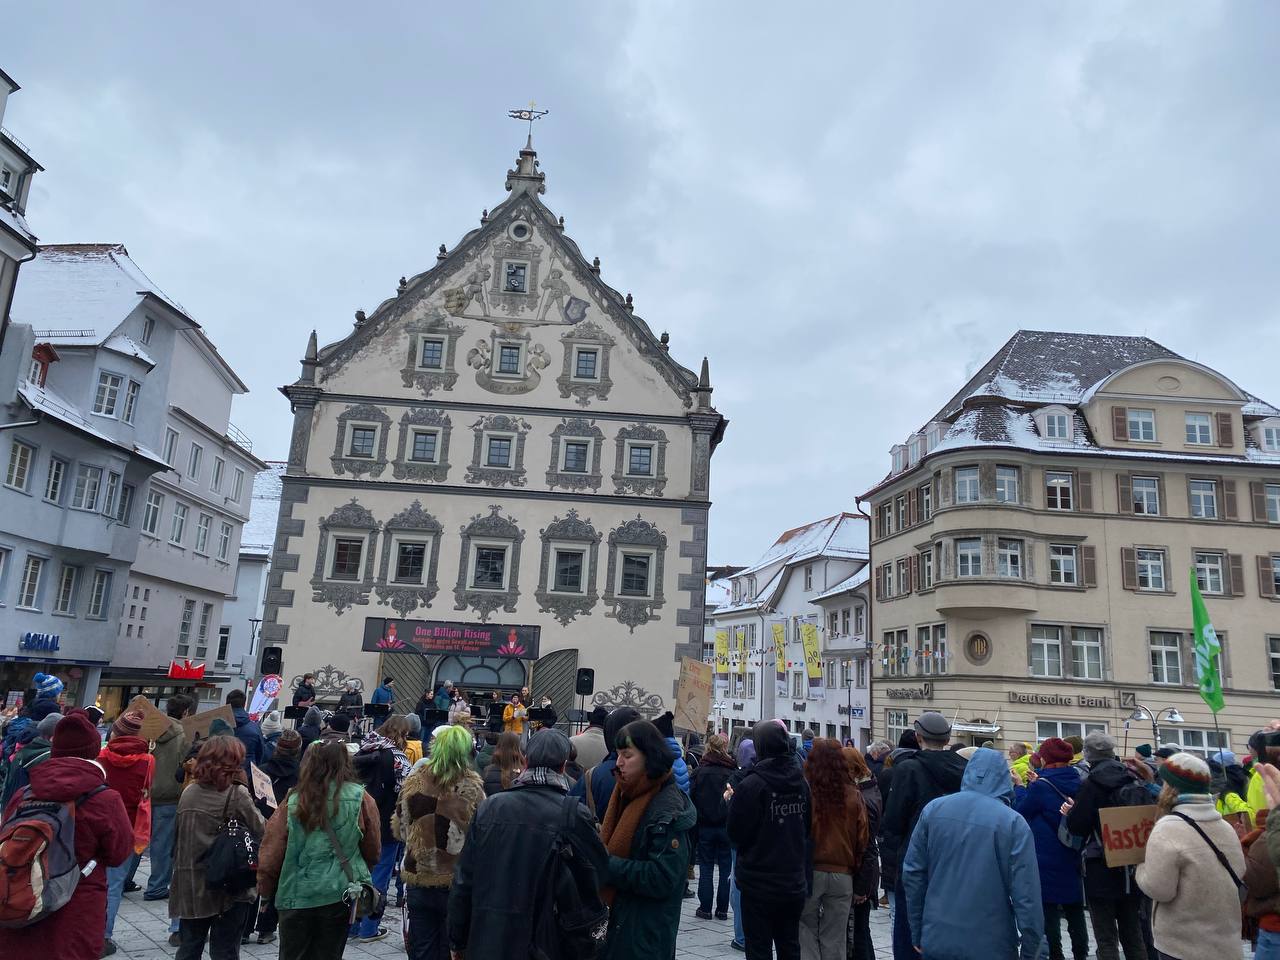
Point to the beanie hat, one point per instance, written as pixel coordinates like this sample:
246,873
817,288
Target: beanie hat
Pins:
547,748
76,736
1056,750
666,724
1164,753
771,739
1099,746
290,742
1224,757
220,728
46,726
128,724
1143,750
597,717
47,685
271,724
618,718
644,736
908,741
932,725
1186,773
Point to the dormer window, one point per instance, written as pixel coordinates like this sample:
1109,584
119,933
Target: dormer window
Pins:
1270,436
933,435
915,450
1057,426
148,328
899,458
515,277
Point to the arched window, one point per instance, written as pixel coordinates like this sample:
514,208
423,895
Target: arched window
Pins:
481,673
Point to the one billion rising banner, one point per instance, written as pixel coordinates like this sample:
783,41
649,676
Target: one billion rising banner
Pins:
444,636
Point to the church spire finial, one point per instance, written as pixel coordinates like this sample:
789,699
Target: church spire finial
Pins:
526,177
703,389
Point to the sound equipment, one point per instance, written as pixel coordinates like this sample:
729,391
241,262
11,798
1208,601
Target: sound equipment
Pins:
376,710
295,713
272,660
586,682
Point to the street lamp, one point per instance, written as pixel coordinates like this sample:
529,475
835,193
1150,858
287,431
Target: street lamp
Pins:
719,707
1168,714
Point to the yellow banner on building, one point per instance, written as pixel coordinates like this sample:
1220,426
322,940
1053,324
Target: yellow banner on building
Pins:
780,659
742,651
813,665
722,662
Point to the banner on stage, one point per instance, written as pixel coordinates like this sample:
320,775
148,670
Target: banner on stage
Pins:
446,636
693,696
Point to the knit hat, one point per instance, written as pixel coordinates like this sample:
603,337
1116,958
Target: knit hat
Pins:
76,736
219,728
46,726
770,739
1164,753
618,718
47,685
290,742
547,748
1186,773
1056,750
271,724
128,724
908,741
1143,750
932,725
644,736
1099,746
1224,757
666,724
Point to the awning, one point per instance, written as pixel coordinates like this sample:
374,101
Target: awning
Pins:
156,678
990,729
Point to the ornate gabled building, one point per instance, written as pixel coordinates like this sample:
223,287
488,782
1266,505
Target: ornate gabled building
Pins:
502,450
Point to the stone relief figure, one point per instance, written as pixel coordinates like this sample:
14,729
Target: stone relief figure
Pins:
478,356
556,292
459,299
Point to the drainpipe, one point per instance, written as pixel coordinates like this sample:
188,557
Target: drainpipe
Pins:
870,633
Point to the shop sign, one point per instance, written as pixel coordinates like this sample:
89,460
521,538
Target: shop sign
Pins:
922,692
442,636
46,642
1059,700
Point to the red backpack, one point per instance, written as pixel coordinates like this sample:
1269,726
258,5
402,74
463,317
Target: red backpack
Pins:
38,868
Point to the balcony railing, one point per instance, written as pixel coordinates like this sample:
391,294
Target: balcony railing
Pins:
16,142
239,438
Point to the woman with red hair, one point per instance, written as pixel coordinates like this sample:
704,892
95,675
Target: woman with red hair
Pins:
840,837
217,795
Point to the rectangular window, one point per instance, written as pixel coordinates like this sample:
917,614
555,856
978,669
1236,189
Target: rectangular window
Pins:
53,484
897,653
88,483
885,580
148,328
224,541
1204,499
184,627
151,515
179,526
516,278
237,485
751,684
1199,429
575,456
347,552
886,518
860,674
29,589
966,484
897,722
926,502
1056,427
1057,490
844,621
131,401
1209,571
1146,496
411,561
224,639
901,506
1063,565
170,445
219,469
1007,484
1271,438
1273,660
424,446
491,568
203,525
640,461
66,599
1066,728
1271,493
926,570
931,642
107,395
1166,657
904,577
635,574
859,621
1046,651
1086,653
362,439
969,557
21,456
1200,742
432,357
568,576
99,594
113,491
584,364
1150,569
498,453
509,359
1009,558
1142,424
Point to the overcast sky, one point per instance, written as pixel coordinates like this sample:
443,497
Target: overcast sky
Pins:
848,208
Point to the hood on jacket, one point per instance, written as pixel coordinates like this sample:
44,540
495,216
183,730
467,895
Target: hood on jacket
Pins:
175,730
1109,773
746,753
780,773
66,778
123,751
987,773
946,766
242,717
32,748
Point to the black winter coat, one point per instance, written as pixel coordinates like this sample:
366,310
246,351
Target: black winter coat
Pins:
377,770
706,790
917,779
770,823
1098,790
867,879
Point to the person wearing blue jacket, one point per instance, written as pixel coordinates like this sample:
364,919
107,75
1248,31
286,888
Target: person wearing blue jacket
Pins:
256,750
679,769
970,876
1061,880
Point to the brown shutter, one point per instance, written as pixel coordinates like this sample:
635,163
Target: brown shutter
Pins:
1258,494
1124,493
1084,490
1226,430
1230,509
1129,567
879,522
913,507
986,481
1266,579
1119,423
915,571
1164,504
1235,564
1089,565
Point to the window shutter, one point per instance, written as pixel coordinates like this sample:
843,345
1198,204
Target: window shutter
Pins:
879,522
1129,567
1089,566
1226,430
1164,503
1235,564
987,481
1124,493
915,571
1230,509
943,487
1266,579
1120,423
1258,494
1084,490
1024,495
911,508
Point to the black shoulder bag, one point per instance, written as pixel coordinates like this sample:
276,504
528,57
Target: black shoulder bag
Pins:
231,862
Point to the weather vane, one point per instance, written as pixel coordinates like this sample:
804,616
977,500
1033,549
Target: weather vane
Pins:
529,113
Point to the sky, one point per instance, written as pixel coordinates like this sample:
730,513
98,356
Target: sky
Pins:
847,207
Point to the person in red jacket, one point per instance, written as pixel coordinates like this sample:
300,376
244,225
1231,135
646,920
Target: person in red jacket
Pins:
130,767
104,837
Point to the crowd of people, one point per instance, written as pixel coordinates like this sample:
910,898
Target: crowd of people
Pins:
500,840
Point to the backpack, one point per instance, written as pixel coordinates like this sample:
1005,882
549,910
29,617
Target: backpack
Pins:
1132,793
231,862
38,868
571,919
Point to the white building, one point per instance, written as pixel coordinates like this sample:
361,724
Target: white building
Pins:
17,242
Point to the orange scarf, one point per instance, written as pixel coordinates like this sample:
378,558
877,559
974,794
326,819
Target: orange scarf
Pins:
622,819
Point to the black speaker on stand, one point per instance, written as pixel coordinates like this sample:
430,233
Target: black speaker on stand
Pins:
272,660
584,687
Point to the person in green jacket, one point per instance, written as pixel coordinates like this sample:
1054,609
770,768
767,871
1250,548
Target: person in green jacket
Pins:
298,865
646,832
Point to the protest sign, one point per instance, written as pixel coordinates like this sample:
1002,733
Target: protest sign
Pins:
1124,833
262,788
198,726
154,720
693,695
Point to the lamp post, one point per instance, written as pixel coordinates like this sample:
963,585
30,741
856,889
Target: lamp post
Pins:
1168,714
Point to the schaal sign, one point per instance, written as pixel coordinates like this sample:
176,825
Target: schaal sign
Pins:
444,636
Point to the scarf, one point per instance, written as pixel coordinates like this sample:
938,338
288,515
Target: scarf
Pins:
373,742
626,809
543,777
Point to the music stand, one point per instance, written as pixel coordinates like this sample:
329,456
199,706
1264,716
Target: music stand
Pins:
295,713
494,722
432,719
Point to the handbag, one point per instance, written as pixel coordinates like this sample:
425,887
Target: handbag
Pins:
1241,890
231,862
362,896
1065,837
142,823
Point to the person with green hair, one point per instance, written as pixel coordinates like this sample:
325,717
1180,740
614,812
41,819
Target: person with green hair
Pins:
437,804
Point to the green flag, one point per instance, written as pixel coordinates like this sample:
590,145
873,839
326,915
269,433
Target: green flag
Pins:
1207,649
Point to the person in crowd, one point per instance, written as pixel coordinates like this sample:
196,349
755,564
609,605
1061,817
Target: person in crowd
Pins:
247,732
395,729
506,765
282,768
271,726
32,749
413,738
970,871
1059,865
459,709
1262,907
492,904
338,729
877,753
304,694
707,787
130,768
327,829
1144,753
1193,867
839,841
1230,787
931,772
907,745
484,753
218,794
103,841
746,755
646,832
166,787
679,769
770,828
21,730
385,693
513,717
351,702
434,813
312,726
382,767
573,769
1110,892
596,785
1019,760
867,880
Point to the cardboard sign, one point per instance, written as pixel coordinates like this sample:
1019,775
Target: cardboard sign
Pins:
262,786
198,726
693,695
155,721
1124,833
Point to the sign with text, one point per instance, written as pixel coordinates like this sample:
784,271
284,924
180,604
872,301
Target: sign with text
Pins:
444,636
1124,833
780,659
197,727
693,695
154,720
262,788
813,666
722,663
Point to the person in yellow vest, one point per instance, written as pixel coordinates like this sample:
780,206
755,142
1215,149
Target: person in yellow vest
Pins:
514,715
1020,760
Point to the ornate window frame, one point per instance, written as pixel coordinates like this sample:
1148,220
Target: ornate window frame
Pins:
352,519
576,428
483,358
585,334
569,531
405,467
437,326
482,530
517,251
414,523
624,482
361,415
635,611
499,423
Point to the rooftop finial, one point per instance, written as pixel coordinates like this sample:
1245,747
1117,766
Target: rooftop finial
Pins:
526,177
665,340
595,265
360,318
403,283
310,360
312,350
443,254
704,377
630,305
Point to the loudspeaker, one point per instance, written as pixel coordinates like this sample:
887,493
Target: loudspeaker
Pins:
272,659
586,682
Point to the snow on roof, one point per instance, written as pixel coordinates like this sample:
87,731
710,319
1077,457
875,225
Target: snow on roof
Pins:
129,347
18,224
847,584
259,532
845,534
46,401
